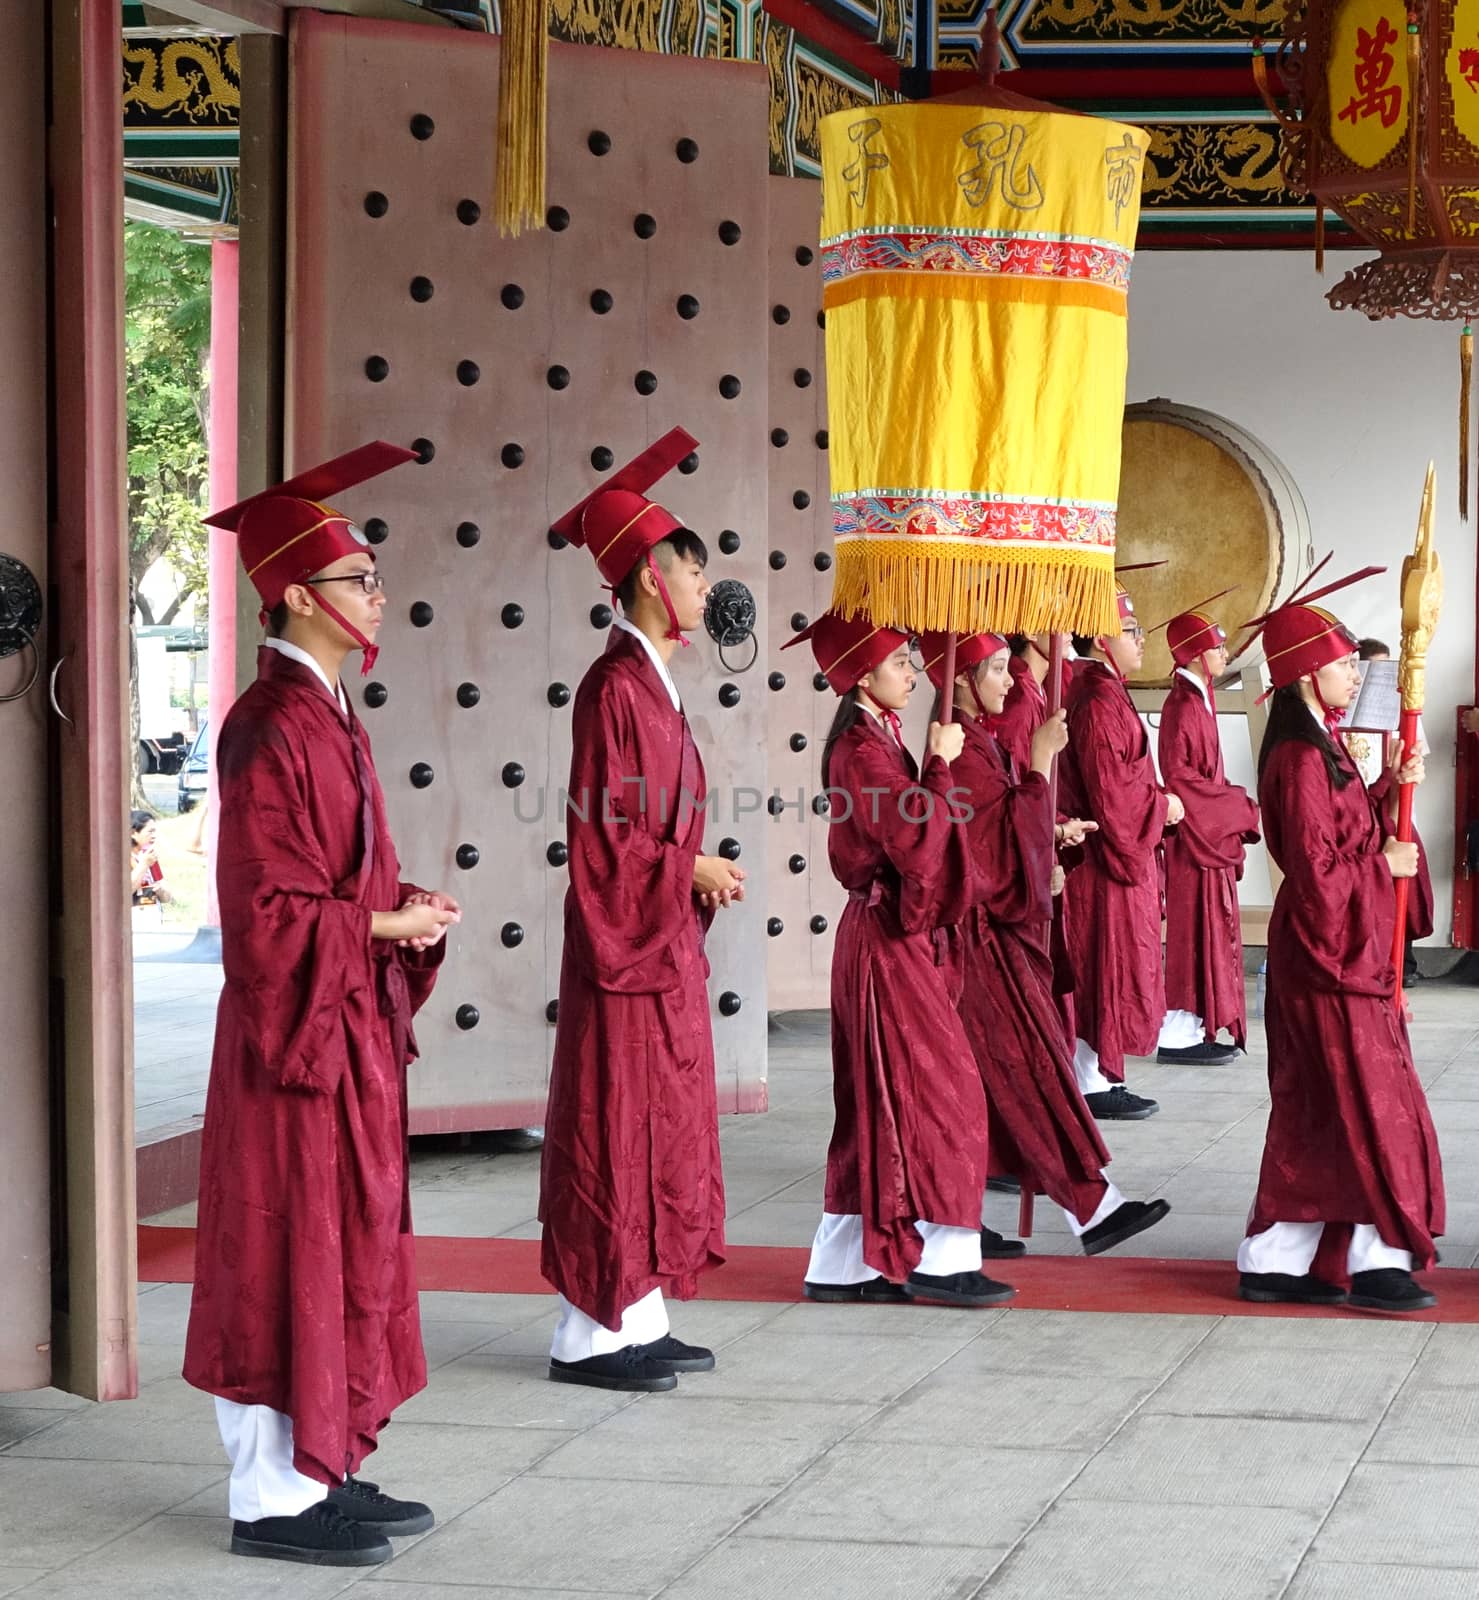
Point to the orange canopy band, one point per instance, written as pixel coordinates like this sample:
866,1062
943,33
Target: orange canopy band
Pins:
961,286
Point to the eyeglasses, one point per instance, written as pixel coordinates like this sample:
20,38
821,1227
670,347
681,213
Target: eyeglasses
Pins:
369,582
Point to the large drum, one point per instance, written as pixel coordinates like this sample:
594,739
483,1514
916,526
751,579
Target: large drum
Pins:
1203,496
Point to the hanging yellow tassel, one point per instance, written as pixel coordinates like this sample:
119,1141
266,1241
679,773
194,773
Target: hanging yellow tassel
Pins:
1465,390
523,65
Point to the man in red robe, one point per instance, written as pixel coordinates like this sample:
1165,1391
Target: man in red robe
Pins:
1205,991
304,1321
1108,777
631,1190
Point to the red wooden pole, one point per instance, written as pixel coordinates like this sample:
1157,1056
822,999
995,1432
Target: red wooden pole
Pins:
947,703
1405,795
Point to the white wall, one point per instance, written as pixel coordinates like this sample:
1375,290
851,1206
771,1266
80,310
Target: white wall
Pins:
1355,410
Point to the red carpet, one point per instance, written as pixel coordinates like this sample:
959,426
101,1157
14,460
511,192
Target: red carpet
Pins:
770,1273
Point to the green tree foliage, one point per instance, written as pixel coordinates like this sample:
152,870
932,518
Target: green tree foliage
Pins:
167,324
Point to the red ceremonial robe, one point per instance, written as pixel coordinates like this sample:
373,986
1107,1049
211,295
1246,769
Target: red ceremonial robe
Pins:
305,1283
1025,711
909,1141
1204,861
1041,1130
631,1190
1114,937
1349,1135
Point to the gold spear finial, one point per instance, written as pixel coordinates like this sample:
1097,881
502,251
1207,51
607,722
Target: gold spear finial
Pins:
1422,600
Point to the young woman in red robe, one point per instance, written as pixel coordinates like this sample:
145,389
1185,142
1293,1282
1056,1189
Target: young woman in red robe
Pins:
906,1168
304,1321
1351,1188
1119,996
1041,1131
1205,990
631,1189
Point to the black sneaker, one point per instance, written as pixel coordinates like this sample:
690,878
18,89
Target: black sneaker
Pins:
1124,1222
631,1368
957,1289
995,1247
876,1291
677,1356
1285,1288
1206,1054
363,1503
1389,1289
1002,1184
1119,1105
321,1536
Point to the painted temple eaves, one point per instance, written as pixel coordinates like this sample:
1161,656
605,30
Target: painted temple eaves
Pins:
1180,68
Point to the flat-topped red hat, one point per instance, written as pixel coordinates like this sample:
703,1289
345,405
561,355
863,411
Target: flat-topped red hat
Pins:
971,649
616,522
847,648
287,533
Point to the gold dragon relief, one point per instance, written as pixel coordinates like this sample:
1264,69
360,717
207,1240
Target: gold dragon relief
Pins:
668,27
181,80
1192,20
1463,211
817,94
1209,163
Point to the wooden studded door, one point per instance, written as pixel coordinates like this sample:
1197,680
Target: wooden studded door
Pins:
523,370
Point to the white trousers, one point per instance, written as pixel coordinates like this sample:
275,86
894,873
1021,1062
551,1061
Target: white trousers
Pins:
1290,1247
1111,1203
264,1481
1180,1030
579,1337
1086,1070
837,1250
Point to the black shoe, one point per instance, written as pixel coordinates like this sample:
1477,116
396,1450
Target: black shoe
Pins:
321,1536
1389,1289
1119,1105
876,1291
1206,1054
957,1289
363,1503
1004,1185
678,1357
994,1247
1284,1288
1124,1222
631,1368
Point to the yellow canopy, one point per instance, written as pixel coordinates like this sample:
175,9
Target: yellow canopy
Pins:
976,267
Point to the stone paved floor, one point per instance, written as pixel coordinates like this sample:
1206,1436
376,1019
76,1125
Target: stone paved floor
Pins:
849,1451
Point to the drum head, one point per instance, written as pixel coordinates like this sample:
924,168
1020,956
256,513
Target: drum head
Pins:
1214,505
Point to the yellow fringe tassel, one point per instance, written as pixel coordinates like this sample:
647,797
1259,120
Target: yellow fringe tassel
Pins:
1465,391
522,116
899,584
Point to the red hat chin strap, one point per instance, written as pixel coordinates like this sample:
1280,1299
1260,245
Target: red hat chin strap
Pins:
1111,663
1207,679
371,651
675,633
1331,716
970,679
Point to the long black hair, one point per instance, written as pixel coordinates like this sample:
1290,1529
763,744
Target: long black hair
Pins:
1290,719
848,712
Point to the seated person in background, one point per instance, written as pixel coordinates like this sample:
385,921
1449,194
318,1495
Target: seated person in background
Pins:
146,876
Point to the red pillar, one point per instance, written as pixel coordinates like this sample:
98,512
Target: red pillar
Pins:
221,687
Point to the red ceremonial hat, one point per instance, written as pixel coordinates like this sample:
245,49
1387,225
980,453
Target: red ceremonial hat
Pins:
617,523
847,648
971,649
1299,637
1192,633
1122,600
287,534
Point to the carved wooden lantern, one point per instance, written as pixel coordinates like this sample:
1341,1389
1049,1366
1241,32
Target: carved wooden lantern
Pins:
1378,101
